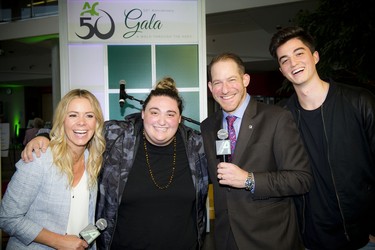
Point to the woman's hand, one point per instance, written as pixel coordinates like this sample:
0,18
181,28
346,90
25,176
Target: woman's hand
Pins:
61,242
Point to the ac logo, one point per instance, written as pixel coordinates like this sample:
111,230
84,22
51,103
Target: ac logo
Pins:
91,11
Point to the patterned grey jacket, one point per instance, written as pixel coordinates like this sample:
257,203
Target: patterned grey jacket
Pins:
122,138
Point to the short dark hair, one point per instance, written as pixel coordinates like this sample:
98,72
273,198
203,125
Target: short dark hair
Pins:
285,34
227,56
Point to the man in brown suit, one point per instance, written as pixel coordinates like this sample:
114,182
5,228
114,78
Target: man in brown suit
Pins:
253,195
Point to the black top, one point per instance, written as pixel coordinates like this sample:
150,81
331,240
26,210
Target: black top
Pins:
151,218
350,151
322,193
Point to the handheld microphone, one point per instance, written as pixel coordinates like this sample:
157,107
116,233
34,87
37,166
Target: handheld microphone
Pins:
91,232
122,95
223,145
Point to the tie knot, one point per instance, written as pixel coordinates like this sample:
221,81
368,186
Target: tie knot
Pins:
231,119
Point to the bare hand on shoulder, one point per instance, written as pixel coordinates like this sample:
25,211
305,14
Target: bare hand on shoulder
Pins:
38,144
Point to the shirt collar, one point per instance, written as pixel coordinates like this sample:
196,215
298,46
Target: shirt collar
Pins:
240,110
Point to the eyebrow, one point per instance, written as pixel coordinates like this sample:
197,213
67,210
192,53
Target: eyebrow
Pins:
229,77
78,112
299,48
294,51
168,111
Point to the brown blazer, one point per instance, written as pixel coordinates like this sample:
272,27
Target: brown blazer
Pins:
268,145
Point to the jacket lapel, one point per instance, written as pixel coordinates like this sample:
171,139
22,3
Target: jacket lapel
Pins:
246,130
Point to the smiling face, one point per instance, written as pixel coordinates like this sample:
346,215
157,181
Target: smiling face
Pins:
161,118
228,85
297,62
79,123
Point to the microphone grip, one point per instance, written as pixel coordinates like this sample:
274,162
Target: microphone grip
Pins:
224,158
223,149
89,234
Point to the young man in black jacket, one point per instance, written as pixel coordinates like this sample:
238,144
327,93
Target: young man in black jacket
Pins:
337,124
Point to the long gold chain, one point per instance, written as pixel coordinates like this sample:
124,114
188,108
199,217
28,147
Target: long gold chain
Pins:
149,167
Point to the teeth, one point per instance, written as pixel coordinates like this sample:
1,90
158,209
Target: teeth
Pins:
297,71
80,132
227,97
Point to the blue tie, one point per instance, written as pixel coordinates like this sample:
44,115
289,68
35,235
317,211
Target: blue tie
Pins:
232,133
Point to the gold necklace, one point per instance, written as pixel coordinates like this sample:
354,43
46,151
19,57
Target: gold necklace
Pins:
149,167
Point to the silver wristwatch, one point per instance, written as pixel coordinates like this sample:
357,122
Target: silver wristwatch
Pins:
249,182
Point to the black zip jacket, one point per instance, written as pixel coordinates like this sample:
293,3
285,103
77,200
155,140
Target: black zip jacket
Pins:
348,115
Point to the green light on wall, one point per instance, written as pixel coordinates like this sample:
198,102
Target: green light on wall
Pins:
16,123
36,39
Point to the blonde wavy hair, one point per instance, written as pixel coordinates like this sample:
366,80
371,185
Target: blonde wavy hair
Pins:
62,154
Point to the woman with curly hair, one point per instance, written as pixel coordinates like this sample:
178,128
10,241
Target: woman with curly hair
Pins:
51,199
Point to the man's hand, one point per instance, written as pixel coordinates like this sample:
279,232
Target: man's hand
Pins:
38,144
231,175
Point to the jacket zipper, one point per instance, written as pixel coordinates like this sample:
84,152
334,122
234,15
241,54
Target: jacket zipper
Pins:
333,179
303,196
196,210
195,184
122,192
196,187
